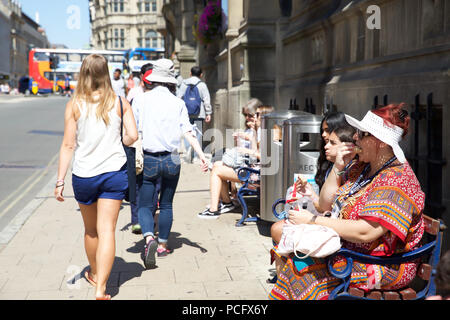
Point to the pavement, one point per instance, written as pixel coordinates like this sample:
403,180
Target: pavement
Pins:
212,259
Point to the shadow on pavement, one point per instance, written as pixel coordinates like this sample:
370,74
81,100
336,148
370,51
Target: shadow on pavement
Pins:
176,242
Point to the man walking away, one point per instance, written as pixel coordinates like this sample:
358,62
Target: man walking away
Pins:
195,94
118,84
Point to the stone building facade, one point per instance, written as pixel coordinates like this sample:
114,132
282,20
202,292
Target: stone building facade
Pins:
125,24
5,35
343,55
19,33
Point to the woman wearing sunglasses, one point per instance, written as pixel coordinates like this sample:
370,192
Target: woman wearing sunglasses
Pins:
379,203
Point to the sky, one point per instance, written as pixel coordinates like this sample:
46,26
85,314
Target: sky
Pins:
65,21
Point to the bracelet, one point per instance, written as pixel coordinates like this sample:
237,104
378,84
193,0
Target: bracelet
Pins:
338,173
60,181
59,185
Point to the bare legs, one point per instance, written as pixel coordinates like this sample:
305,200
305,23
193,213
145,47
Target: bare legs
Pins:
100,221
276,231
220,174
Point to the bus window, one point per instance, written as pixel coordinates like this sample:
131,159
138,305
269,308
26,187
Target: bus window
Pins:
62,56
41,56
76,57
60,76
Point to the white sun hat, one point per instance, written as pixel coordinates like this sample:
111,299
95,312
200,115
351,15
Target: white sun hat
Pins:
386,132
163,71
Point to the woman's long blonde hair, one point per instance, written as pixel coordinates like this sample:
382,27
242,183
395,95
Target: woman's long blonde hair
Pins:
94,76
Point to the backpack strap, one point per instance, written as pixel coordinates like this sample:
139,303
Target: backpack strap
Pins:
121,119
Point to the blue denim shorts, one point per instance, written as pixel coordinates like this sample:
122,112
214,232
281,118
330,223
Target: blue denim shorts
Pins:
109,185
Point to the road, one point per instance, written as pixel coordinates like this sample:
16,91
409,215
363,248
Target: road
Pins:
31,131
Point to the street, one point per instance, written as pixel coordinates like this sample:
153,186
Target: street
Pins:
31,130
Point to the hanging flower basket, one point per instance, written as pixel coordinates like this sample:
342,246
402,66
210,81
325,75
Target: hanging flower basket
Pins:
209,27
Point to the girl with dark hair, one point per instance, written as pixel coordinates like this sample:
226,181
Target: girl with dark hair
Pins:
330,122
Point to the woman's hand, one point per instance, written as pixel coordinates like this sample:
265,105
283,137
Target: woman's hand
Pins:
299,217
345,153
59,193
204,164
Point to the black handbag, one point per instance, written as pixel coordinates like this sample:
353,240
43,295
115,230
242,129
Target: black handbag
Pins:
130,152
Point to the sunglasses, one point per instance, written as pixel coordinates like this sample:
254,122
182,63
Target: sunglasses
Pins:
362,134
248,115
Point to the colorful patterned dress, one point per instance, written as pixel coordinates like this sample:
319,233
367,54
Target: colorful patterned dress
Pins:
393,199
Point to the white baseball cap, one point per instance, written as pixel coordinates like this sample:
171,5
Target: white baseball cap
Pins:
163,71
386,132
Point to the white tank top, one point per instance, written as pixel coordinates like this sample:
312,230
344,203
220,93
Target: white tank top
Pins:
99,147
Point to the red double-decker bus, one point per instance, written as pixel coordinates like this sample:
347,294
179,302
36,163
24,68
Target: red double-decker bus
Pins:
42,76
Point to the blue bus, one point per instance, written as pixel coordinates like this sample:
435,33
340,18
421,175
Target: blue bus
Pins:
137,57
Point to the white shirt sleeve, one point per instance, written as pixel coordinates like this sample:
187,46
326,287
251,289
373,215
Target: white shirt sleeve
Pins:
135,108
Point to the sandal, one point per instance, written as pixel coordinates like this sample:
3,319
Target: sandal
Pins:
163,252
88,277
105,297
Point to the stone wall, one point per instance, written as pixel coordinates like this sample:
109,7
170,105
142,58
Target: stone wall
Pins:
324,52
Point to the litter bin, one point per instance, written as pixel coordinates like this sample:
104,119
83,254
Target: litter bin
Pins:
301,147
272,160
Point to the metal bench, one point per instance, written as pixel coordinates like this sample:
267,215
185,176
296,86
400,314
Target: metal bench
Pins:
428,253
247,189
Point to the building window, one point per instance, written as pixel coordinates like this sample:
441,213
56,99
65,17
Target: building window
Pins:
119,38
151,39
139,39
146,5
118,5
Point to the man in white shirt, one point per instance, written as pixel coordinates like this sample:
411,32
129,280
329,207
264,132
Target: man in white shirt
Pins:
118,84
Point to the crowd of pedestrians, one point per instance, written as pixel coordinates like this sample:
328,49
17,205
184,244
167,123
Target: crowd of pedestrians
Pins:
368,194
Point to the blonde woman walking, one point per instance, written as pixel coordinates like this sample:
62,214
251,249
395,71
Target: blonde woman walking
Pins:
92,133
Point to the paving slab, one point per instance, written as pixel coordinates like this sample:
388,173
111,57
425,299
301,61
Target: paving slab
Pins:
212,259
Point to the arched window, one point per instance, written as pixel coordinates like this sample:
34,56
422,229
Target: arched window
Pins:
151,39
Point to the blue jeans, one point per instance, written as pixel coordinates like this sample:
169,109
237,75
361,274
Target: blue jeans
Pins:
134,206
167,168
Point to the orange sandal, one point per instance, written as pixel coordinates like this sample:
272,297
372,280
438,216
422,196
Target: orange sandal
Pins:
105,297
88,277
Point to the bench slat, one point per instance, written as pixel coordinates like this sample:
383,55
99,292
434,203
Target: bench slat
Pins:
408,294
356,292
431,225
375,295
424,271
391,295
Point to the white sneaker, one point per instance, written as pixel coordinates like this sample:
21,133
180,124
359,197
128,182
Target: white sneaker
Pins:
206,214
226,207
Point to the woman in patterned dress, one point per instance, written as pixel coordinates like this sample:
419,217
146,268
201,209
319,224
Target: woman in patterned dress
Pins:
380,205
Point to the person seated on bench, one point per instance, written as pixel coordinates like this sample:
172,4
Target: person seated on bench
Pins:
380,203
221,173
334,130
442,279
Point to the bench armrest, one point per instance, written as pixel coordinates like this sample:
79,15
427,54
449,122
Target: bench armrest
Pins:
244,173
350,255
